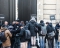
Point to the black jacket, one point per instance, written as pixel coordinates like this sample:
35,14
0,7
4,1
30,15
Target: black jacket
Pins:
56,34
50,28
31,26
17,28
22,35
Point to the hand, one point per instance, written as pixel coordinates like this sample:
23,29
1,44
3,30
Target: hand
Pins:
58,29
21,27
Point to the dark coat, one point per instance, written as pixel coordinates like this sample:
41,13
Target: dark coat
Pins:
56,34
50,28
31,26
22,35
17,28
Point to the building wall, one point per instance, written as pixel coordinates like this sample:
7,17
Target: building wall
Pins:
45,8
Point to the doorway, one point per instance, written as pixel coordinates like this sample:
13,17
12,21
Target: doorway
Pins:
26,8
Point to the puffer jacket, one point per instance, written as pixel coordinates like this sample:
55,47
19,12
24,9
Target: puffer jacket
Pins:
22,35
31,26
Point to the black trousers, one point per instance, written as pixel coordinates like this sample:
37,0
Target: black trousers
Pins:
17,42
51,43
12,43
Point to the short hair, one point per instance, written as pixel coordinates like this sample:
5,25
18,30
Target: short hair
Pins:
47,22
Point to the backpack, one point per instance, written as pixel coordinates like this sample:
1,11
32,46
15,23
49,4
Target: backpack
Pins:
27,34
2,36
43,30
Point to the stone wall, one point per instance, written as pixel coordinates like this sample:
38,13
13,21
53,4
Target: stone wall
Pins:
45,8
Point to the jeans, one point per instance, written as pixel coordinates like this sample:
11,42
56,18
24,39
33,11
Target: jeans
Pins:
58,45
42,41
29,44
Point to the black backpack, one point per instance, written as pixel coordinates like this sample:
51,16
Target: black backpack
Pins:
2,36
27,34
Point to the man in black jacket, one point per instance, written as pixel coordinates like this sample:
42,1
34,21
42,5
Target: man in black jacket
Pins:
50,39
57,27
31,26
17,37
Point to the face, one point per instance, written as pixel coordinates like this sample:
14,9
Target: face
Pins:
17,22
21,27
13,22
6,23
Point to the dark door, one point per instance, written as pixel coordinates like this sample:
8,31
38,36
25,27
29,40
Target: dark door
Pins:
7,8
26,8
4,8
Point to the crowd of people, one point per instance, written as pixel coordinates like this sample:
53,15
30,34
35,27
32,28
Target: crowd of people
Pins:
24,35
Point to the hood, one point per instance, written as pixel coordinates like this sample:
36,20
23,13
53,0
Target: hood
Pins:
42,24
33,19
